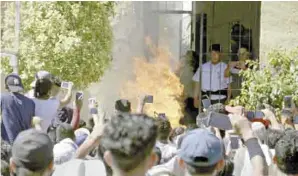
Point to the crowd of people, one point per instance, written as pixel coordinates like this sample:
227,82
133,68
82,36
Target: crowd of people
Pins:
42,135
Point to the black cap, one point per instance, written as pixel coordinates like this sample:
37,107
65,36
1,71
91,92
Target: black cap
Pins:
215,47
14,83
123,105
33,150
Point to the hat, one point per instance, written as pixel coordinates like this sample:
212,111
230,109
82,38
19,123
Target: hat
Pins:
201,143
33,150
215,47
42,75
81,135
123,105
14,83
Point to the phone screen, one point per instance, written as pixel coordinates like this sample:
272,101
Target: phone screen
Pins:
206,103
234,141
288,101
79,95
295,120
220,121
250,115
92,100
65,85
149,99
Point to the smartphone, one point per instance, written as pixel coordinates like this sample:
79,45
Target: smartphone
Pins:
234,141
149,99
250,115
288,101
66,85
220,121
295,119
162,116
206,103
79,95
92,100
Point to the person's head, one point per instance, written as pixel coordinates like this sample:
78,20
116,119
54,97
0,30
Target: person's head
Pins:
259,131
123,106
215,51
63,131
243,53
273,136
164,128
190,113
32,153
176,132
65,114
42,85
129,140
201,153
286,153
286,117
13,83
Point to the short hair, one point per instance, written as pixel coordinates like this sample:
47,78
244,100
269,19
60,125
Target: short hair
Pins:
272,137
164,128
65,114
130,138
286,152
190,111
42,87
63,131
194,170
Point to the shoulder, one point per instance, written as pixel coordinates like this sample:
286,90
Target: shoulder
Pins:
222,64
206,65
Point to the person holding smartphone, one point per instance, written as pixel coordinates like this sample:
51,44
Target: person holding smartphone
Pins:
213,83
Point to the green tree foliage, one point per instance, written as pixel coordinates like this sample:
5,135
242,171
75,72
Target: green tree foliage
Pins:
69,39
270,84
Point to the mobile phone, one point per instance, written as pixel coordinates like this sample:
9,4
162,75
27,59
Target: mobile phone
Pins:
206,103
288,101
162,116
250,115
234,141
66,85
220,121
79,95
295,119
149,99
92,100
259,115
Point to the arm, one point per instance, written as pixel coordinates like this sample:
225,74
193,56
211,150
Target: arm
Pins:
196,98
75,118
141,105
67,98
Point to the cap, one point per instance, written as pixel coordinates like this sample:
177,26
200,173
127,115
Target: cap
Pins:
42,75
201,143
33,150
81,135
123,105
215,47
14,83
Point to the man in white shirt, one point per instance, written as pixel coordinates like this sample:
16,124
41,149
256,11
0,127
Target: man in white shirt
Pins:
214,83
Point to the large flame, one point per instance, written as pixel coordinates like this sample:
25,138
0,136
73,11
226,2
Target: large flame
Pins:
158,79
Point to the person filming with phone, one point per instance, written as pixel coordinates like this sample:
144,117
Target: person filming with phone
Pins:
214,84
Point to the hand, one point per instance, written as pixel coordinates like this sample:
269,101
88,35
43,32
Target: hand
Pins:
237,110
36,121
241,125
78,103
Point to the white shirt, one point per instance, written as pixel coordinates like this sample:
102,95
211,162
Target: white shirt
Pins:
168,151
213,78
64,151
47,110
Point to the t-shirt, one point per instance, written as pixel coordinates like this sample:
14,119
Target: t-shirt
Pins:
213,78
17,112
47,110
77,167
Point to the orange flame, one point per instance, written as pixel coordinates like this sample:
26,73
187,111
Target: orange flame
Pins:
156,78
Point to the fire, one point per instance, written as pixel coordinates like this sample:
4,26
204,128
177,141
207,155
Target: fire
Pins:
158,79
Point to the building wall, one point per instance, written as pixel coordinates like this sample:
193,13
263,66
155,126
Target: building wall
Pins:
221,14
279,26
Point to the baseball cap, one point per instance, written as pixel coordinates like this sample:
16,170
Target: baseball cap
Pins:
42,75
33,150
14,83
201,143
215,47
123,105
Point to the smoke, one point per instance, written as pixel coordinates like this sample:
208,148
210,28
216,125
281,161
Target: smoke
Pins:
156,77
